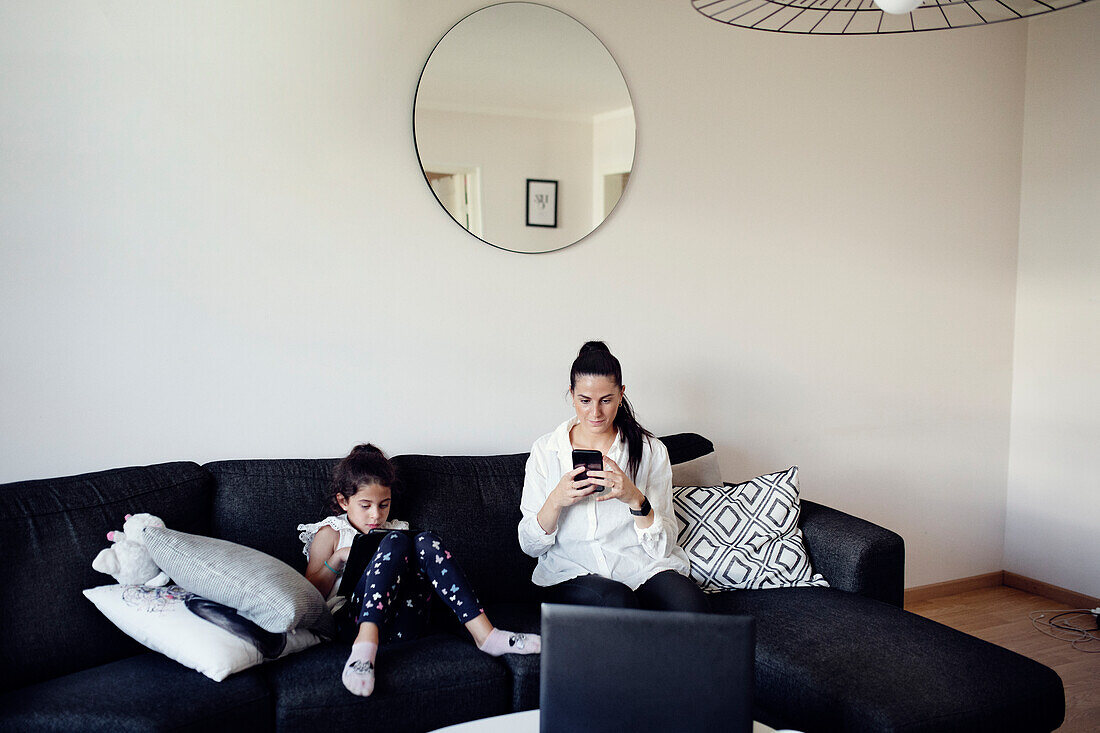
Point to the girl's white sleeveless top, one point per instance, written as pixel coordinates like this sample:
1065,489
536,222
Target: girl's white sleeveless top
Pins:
347,534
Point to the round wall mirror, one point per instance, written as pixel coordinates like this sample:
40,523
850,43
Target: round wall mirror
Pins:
524,127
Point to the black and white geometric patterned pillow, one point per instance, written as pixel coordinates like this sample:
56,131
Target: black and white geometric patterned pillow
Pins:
745,536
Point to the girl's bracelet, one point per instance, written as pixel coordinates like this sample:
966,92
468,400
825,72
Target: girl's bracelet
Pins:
337,572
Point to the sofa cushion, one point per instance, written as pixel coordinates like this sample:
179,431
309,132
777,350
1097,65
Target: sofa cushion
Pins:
480,526
694,462
433,682
473,504
260,503
146,692
827,660
684,447
50,530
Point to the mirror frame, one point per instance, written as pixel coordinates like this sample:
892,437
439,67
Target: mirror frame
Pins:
424,171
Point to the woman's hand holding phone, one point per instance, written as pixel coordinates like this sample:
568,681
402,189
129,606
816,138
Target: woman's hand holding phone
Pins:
617,485
567,493
569,490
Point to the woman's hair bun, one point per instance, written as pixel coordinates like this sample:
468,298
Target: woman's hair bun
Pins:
593,346
366,448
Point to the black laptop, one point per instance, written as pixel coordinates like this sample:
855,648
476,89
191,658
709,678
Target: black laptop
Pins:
610,669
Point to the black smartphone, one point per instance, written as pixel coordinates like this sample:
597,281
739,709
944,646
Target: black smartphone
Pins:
592,460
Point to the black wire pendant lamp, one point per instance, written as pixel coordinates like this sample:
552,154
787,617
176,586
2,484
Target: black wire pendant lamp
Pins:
862,17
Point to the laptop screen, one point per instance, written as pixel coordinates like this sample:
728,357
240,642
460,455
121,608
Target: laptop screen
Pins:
612,669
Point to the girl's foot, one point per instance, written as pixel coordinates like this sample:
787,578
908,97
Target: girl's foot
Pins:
358,674
506,642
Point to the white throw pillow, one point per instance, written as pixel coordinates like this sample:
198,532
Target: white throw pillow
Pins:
745,536
159,619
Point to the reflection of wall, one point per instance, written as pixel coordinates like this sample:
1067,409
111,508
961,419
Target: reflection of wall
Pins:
612,152
215,242
509,150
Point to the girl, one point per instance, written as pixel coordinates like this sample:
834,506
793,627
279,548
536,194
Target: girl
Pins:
616,547
397,585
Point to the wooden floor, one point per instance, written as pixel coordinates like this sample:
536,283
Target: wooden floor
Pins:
1000,615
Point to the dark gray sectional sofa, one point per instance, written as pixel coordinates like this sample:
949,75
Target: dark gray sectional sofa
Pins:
828,659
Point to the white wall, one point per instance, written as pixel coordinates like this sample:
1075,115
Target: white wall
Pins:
507,150
1053,514
215,241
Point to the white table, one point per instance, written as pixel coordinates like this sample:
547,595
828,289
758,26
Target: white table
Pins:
528,722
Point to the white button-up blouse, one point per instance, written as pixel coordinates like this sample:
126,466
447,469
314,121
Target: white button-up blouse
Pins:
599,538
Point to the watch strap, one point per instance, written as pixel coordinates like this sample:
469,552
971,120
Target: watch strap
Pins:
644,509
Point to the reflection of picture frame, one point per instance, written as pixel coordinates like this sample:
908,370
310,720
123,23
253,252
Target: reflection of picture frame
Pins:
542,203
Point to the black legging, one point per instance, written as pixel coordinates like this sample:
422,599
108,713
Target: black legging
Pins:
665,591
395,589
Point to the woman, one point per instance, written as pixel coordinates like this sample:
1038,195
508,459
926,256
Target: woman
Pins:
615,547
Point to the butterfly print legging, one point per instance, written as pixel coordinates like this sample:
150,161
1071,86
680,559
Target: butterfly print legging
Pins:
397,585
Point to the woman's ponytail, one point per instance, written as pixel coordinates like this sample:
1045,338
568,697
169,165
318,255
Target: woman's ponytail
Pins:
634,435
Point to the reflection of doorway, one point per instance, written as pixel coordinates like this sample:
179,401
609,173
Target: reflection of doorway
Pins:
459,190
613,185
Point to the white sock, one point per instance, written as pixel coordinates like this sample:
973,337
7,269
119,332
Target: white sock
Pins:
358,674
506,642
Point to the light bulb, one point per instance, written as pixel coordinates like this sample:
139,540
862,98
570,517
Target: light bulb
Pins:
897,7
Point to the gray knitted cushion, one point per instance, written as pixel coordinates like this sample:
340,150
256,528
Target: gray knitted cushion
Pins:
694,462
701,471
264,590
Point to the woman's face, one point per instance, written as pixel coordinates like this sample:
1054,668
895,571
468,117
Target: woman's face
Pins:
596,400
368,508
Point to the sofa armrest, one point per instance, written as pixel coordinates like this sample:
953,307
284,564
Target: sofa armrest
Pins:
853,554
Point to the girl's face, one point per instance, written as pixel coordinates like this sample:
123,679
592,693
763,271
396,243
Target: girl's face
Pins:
368,508
596,400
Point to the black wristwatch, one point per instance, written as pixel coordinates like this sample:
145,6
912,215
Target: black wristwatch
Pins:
644,509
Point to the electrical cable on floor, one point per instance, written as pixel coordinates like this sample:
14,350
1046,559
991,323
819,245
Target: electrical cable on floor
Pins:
1055,624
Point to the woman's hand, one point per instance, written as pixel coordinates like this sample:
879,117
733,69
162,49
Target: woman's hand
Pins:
569,491
617,485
